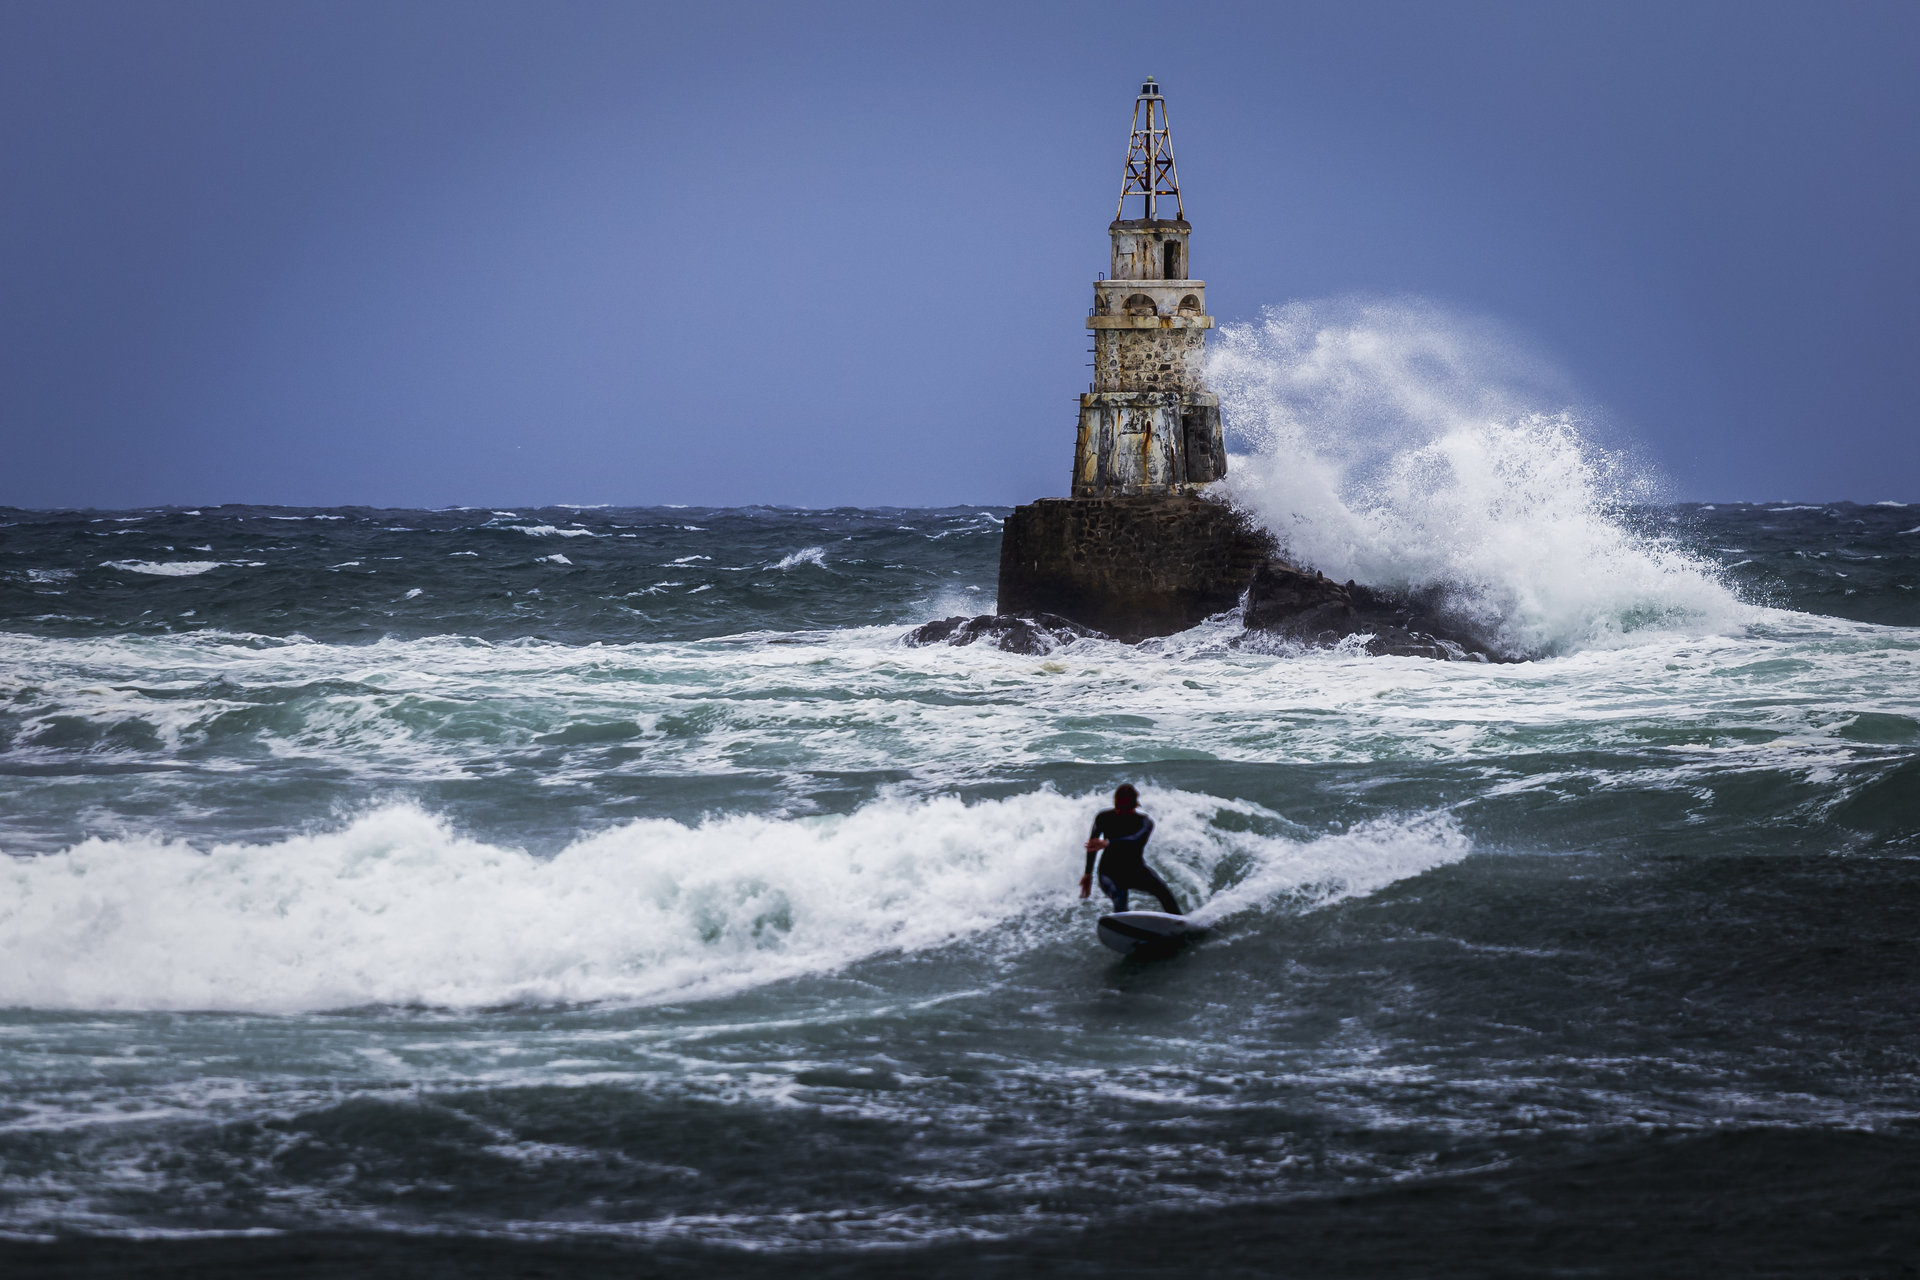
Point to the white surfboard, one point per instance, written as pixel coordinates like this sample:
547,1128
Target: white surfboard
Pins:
1146,933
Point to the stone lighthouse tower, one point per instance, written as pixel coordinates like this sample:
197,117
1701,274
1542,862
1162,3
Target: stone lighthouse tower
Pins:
1148,426
1137,550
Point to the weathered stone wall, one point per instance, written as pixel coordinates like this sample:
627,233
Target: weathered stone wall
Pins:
1149,359
1205,443
1128,443
1140,248
1132,567
1147,425
1145,442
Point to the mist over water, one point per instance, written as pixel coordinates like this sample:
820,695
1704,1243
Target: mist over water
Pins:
526,874
1393,444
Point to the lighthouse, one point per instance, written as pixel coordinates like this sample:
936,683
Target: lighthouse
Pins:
1140,548
1148,424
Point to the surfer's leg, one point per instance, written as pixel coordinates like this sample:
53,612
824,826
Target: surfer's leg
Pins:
1154,885
1117,892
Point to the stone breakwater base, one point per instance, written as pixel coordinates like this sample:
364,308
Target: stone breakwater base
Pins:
1131,567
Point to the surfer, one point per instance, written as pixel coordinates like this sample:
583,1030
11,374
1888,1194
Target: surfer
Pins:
1121,833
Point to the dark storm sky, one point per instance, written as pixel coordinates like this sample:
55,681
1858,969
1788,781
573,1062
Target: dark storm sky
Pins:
438,253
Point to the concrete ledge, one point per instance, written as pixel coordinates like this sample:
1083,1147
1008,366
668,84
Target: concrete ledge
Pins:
1150,322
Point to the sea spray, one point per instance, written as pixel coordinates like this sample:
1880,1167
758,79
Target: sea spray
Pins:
1391,443
397,908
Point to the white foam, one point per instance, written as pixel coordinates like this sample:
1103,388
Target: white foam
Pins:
398,908
835,702
816,556
1364,860
552,531
167,568
1400,446
557,558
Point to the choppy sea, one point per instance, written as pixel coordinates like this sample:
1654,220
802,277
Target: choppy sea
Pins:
583,886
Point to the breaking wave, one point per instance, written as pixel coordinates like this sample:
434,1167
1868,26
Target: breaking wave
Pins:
165,568
815,556
397,908
1397,445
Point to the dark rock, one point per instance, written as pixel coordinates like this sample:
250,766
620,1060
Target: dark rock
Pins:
1304,605
1039,634
1130,567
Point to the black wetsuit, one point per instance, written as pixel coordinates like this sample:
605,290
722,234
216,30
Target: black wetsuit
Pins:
1124,865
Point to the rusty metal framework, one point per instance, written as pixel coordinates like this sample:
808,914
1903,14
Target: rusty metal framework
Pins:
1150,172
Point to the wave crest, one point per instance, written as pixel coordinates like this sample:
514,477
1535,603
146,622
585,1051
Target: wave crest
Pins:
397,908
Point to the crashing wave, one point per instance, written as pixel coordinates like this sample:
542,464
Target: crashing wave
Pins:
1401,447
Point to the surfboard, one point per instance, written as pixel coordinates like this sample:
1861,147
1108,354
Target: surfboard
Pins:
1146,933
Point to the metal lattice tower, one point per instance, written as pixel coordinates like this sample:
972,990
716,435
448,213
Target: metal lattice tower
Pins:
1150,172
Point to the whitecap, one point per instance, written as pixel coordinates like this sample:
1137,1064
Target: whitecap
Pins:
816,556
550,531
166,569
556,558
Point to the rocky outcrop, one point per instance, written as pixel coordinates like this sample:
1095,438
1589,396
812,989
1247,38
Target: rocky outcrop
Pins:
1306,606
1039,634
1130,567
1135,567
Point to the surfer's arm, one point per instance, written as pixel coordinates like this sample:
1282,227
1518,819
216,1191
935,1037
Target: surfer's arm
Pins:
1094,845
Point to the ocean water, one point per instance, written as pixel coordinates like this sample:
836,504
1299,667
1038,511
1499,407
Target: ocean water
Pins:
618,877
593,891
